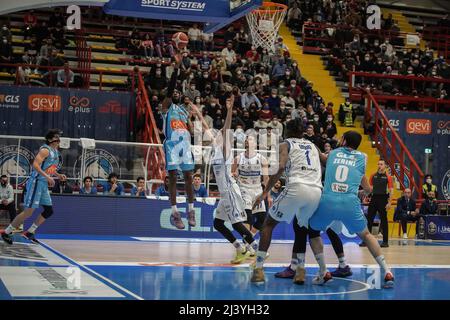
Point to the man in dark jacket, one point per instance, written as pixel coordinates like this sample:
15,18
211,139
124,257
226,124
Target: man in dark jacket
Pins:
405,211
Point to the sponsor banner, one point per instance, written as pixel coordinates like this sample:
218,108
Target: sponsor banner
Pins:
437,227
420,131
138,217
54,282
210,11
100,115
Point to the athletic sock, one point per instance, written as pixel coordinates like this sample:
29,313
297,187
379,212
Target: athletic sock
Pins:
260,257
342,263
294,263
190,206
33,228
301,259
174,209
321,261
9,229
382,263
239,247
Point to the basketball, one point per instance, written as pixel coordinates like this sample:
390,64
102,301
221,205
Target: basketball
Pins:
180,40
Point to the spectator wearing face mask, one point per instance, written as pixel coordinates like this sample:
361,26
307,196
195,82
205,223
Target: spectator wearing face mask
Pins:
330,129
248,98
263,76
346,113
274,101
252,55
279,70
157,81
429,186
288,76
288,100
191,92
62,186
429,206
7,197
277,126
310,134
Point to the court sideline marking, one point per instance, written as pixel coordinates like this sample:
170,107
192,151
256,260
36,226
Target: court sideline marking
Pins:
92,272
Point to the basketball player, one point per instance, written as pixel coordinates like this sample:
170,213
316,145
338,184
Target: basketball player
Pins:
299,249
299,160
45,165
231,206
345,172
248,167
177,148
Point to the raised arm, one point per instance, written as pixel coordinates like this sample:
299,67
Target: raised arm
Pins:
227,126
283,158
172,84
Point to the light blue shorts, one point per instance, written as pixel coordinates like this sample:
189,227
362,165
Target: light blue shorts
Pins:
344,208
37,194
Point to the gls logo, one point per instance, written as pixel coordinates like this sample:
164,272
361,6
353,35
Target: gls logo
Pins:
418,126
9,99
395,124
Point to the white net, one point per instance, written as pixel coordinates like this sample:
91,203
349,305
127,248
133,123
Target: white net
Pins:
264,25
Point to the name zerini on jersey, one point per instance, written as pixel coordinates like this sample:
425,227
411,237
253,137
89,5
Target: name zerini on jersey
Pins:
346,159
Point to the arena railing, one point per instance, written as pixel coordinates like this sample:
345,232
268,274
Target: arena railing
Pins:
313,33
150,133
392,148
52,80
84,55
358,79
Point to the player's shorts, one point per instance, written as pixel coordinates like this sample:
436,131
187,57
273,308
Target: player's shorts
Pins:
297,199
231,206
178,155
37,194
340,207
249,196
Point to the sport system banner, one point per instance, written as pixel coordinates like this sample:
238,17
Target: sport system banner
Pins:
420,131
30,111
209,11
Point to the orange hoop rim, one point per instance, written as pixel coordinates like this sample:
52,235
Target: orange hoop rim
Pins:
279,8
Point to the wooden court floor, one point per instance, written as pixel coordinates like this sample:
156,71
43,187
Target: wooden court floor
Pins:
417,253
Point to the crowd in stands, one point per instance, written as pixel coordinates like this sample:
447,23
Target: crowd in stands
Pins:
44,44
350,46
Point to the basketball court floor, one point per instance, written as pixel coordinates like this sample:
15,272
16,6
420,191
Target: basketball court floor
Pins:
81,267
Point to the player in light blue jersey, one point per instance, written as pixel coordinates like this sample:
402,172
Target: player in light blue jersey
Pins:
177,148
346,168
45,165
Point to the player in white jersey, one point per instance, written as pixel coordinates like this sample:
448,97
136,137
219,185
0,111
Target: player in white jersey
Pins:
299,160
231,205
248,168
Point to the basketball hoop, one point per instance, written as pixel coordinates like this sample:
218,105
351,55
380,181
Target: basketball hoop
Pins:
264,24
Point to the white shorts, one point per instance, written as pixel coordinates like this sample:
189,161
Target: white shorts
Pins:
231,206
297,200
336,226
249,196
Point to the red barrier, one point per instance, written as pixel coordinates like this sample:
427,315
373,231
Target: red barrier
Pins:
156,165
392,148
75,70
84,55
436,105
